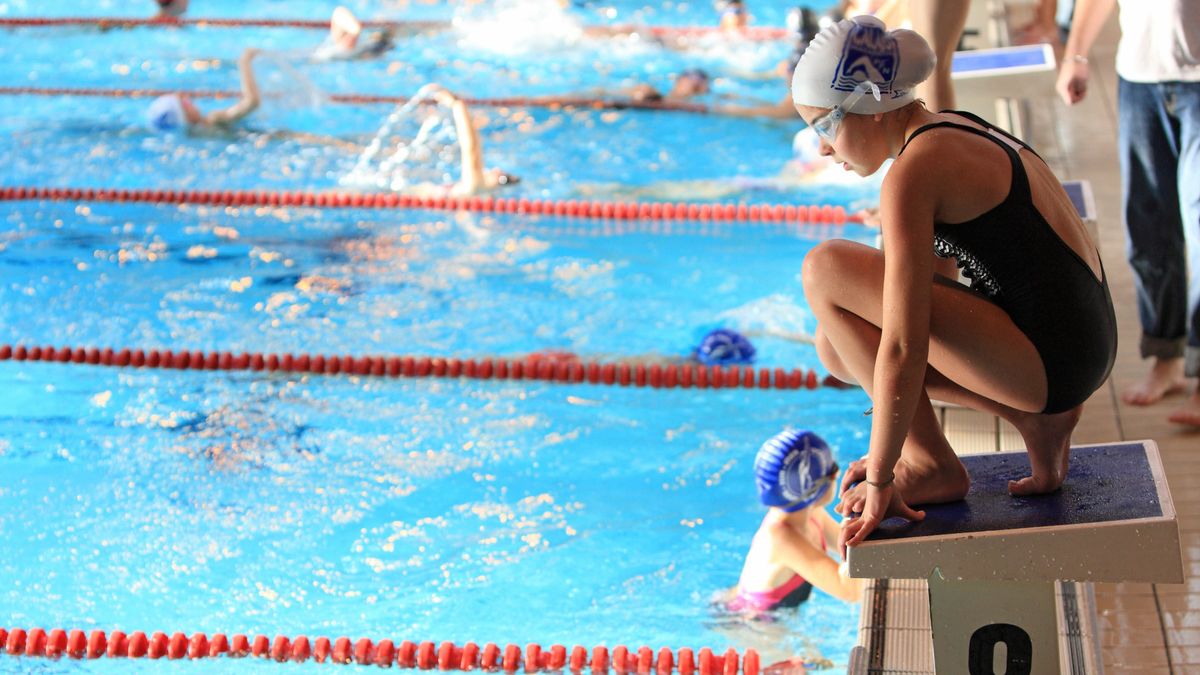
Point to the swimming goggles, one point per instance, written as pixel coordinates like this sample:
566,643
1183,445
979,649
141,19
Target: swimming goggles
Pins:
827,125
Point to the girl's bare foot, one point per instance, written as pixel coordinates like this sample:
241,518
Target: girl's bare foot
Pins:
1165,377
932,484
1189,414
918,484
1048,441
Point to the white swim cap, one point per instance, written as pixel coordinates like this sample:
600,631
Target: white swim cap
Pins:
166,113
850,52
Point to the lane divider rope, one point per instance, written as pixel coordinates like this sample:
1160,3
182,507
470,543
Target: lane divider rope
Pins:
553,367
445,656
757,33
554,102
768,213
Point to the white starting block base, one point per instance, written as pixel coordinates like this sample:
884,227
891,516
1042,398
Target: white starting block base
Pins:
895,634
993,561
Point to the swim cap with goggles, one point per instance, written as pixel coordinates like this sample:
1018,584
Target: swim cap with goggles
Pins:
793,470
166,113
858,65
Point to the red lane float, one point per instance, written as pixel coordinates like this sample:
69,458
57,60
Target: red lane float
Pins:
426,655
532,367
554,102
757,213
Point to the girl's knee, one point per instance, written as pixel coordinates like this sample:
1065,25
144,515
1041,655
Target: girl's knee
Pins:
824,263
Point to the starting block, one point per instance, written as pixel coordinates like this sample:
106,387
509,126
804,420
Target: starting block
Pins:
993,561
1002,78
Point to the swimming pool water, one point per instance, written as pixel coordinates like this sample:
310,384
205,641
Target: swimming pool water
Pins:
407,509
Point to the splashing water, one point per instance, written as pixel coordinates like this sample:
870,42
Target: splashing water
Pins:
414,144
514,27
282,86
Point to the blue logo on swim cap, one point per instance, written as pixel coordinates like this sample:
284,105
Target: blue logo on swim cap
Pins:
868,55
725,347
793,469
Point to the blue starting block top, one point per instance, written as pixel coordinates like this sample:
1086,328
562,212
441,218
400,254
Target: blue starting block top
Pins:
1080,193
1003,60
1112,520
1104,483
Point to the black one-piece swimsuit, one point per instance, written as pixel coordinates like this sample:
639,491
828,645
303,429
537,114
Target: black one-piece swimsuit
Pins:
1016,259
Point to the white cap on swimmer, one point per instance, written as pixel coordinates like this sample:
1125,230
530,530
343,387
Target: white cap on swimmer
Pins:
166,113
850,52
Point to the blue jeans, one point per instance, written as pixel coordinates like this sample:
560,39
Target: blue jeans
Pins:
1159,143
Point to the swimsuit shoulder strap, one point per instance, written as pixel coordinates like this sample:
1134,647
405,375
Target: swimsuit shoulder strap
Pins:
1020,181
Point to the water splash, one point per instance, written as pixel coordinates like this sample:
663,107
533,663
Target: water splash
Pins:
414,144
513,27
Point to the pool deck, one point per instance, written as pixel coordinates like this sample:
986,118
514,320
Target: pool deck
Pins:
1143,628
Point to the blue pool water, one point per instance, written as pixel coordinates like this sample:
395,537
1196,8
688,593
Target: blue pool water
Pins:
407,509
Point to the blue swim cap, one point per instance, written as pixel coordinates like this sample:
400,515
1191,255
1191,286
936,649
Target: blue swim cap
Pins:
725,347
166,113
793,470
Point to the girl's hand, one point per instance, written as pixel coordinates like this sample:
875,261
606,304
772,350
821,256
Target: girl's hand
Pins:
876,504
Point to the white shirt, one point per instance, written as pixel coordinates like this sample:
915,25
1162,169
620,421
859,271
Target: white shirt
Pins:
1160,40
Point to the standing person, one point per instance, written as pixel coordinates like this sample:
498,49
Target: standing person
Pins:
1031,338
1158,106
940,22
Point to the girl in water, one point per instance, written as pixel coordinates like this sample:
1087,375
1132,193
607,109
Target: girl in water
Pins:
1029,340
789,555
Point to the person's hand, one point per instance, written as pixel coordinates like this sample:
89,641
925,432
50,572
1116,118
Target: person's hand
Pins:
441,94
875,504
1072,80
249,53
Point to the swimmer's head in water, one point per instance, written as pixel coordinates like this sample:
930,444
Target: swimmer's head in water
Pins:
793,469
172,7
725,347
733,14
806,146
857,56
168,113
691,82
803,24
498,178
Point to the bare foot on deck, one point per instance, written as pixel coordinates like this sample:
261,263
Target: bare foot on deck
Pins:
1165,377
1048,439
1189,414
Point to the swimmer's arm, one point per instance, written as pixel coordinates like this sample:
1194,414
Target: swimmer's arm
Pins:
814,565
250,99
469,145
907,210
830,529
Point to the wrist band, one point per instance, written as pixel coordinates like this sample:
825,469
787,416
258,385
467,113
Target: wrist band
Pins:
1078,58
882,483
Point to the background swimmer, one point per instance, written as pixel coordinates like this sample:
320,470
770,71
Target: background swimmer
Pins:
346,39
177,112
474,177
686,85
